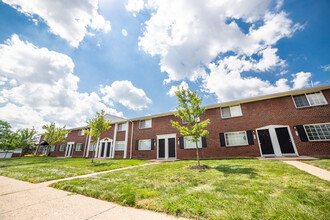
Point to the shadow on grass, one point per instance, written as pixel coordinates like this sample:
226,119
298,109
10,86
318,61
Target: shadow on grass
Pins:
235,169
101,164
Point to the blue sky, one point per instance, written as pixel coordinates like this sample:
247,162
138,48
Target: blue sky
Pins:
62,63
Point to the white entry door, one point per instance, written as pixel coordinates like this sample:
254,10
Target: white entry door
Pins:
105,148
69,149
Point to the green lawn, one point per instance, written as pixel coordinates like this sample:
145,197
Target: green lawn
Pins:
40,169
323,163
230,189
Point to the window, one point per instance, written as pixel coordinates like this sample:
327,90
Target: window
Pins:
66,135
81,133
318,132
92,146
62,147
236,138
309,99
41,149
52,148
189,144
122,127
231,111
79,147
145,124
120,145
145,144
184,121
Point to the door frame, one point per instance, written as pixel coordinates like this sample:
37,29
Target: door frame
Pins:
105,141
166,137
67,148
274,140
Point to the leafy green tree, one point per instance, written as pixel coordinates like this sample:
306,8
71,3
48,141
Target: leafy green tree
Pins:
189,109
27,140
10,141
96,127
53,135
4,128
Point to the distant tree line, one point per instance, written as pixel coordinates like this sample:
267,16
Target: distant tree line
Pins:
24,139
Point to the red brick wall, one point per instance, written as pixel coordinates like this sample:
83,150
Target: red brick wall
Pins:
277,111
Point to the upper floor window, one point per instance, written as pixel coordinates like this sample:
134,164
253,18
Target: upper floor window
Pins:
231,111
185,121
145,124
122,127
66,135
81,133
309,99
318,132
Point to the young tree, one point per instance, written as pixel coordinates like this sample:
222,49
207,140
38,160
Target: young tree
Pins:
27,139
96,127
10,141
4,128
189,109
53,135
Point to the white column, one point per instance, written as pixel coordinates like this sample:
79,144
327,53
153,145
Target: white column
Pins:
126,141
276,144
89,144
114,141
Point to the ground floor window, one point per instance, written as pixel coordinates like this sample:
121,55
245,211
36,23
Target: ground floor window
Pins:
41,149
62,147
52,148
79,147
120,145
318,132
145,144
236,138
188,144
92,146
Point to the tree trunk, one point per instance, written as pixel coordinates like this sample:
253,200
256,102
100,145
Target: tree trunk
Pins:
197,153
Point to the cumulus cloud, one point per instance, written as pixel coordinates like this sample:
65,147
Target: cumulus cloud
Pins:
301,80
43,85
126,94
173,89
70,20
218,41
326,67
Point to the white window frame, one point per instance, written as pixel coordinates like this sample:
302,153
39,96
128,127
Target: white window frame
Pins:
140,144
315,124
76,147
81,133
120,142
199,144
91,148
60,148
246,140
184,121
122,127
52,148
308,99
144,123
230,111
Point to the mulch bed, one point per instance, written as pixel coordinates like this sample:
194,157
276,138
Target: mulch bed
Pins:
203,167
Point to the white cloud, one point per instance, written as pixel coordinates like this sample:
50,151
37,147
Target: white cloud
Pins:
190,37
173,89
43,85
301,80
124,32
326,67
126,94
3,80
135,5
70,20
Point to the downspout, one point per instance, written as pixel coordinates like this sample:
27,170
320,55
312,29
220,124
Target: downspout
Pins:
131,148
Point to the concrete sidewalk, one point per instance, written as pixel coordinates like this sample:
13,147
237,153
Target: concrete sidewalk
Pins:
321,173
22,200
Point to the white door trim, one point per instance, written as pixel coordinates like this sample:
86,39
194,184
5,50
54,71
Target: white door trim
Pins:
166,137
105,141
274,140
69,145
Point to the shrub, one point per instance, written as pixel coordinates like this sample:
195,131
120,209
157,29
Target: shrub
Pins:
29,155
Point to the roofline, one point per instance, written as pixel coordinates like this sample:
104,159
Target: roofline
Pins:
235,102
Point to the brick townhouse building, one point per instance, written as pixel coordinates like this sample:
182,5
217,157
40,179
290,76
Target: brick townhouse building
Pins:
291,123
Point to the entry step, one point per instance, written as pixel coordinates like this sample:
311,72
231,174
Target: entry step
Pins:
283,158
